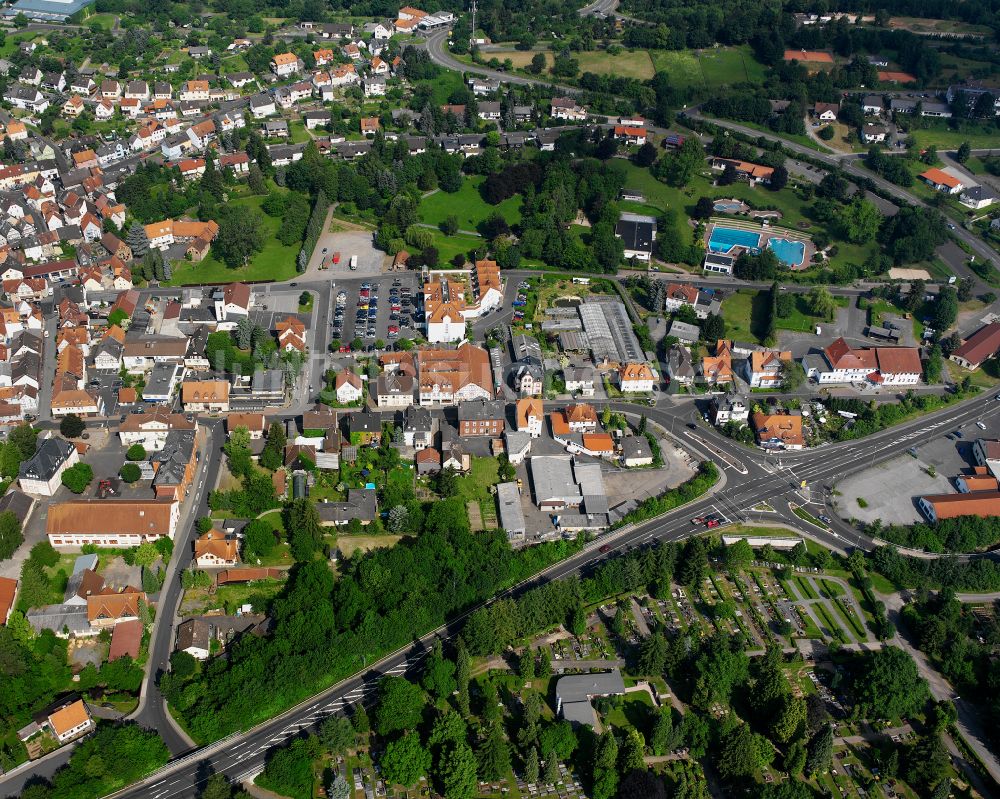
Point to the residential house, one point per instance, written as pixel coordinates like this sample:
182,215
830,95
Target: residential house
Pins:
579,380
418,428
979,347
41,474
481,417
70,721
637,232
778,430
393,390
766,369
451,376
977,197
285,64
349,387
529,416
205,396
635,378
636,452
942,180
566,108
679,365
215,549
729,407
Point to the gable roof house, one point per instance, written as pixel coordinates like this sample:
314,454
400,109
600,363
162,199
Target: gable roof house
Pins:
980,346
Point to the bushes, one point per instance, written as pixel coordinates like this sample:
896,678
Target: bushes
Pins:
76,478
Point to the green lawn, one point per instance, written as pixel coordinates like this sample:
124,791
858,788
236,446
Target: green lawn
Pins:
738,311
801,319
450,246
467,205
476,484
274,262
106,21
297,132
443,85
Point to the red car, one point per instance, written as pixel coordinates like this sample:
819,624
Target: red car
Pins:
345,348
336,257
606,548
712,523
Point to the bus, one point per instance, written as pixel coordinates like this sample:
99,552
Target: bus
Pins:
354,262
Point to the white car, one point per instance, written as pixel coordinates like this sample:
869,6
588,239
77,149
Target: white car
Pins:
980,425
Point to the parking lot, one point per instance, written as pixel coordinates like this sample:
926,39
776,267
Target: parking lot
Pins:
929,468
348,243
387,308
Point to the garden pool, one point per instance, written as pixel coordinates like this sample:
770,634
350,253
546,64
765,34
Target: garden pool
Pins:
790,253
729,207
723,239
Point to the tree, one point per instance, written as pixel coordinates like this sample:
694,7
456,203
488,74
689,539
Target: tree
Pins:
888,684
439,673
255,180
405,761
463,674
494,755
72,426
288,770
859,220
456,771
339,789
632,751
963,152
137,452
652,655
738,555
336,734
10,534
779,178
400,706
793,376
820,302
820,751
945,309
789,718
713,328
538,63
531,766
642,784
307,529
240,236
130,473
359,719
137,240
551,773
217,787
258,540
744,753
646,155
77,477
273,455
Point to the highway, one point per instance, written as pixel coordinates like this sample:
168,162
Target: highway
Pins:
748,478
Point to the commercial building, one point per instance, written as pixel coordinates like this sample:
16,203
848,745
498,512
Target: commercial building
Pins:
575,692
980,346
949,506
111,522
450,376
637,232
889,366
511,515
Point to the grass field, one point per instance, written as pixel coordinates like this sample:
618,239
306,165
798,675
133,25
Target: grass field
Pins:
106,21
450,246
722,66
274,262
349,544
706,69
943,137
467,205
443,85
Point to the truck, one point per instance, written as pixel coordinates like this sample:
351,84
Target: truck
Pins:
354,262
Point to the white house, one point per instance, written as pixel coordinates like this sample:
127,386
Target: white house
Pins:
349,387
42,473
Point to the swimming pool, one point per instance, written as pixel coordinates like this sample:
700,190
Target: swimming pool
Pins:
729,207
723,239
790,253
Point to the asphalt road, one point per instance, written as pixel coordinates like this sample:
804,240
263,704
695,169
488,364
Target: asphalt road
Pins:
748,478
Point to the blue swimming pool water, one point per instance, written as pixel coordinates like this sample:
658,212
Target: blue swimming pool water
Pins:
723,239
790,253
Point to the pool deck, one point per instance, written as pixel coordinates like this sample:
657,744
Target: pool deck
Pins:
767,232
